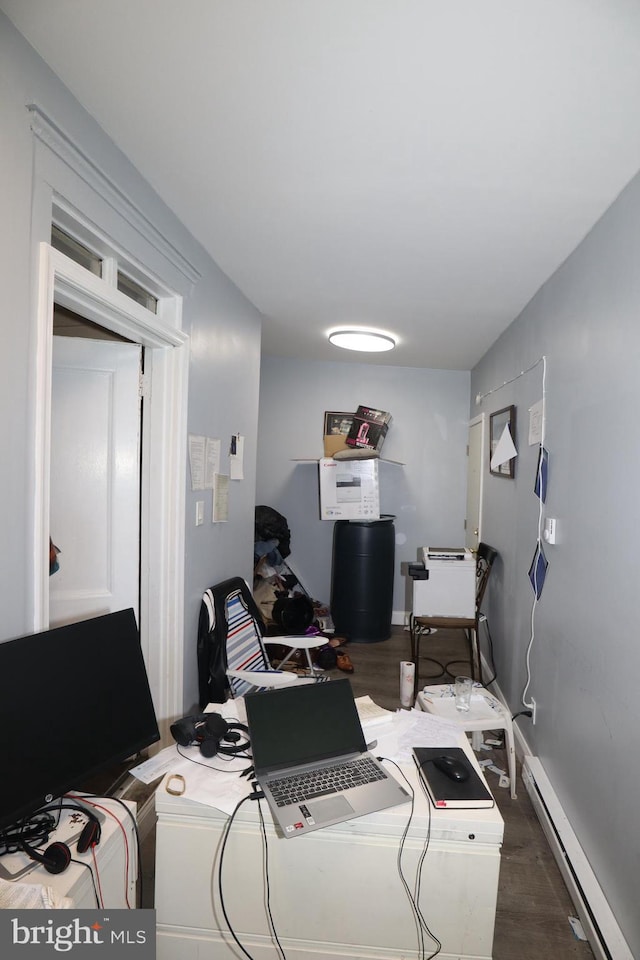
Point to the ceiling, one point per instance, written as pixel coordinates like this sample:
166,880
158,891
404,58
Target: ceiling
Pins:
418,166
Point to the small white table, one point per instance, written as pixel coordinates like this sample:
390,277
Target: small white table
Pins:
485,713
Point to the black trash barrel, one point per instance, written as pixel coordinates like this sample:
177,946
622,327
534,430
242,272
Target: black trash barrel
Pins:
362,578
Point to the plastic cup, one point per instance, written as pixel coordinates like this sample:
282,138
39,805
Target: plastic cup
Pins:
463,688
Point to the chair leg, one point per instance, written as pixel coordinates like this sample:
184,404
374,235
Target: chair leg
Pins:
415,656
288,656
476,655
307,656
511,756
415,633
474,649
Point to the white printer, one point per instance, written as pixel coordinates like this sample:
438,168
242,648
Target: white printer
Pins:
444,584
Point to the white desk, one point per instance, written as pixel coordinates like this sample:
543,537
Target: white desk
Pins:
335,893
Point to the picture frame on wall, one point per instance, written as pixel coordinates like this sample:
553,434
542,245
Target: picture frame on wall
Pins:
502,443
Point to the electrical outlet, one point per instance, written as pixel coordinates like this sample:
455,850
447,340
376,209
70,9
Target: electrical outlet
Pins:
533,710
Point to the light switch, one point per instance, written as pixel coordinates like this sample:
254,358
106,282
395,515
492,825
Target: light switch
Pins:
199,513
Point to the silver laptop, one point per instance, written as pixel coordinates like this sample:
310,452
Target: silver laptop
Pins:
311,759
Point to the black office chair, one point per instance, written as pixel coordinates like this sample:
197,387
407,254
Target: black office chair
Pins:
423,626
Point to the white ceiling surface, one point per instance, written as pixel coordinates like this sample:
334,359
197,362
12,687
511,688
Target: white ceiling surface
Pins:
416,165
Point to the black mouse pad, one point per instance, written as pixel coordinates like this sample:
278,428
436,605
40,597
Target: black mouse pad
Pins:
448,793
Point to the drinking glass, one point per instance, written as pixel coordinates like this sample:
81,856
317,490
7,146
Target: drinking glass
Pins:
463,687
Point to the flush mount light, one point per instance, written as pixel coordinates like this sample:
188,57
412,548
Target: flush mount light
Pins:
368,341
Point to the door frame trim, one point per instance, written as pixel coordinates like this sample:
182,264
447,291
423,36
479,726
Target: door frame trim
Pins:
164,442
480,419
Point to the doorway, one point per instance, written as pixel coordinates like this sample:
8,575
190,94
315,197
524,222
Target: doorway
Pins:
95,470
161,513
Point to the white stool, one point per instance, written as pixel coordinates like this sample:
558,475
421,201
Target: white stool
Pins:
485,713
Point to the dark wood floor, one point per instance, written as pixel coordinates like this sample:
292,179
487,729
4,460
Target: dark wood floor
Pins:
533,903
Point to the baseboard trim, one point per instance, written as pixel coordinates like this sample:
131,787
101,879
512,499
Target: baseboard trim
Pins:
600,925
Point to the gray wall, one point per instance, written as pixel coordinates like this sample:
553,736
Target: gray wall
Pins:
585,657
427,495
224,330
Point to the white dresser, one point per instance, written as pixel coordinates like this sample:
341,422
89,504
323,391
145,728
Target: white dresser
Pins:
335,893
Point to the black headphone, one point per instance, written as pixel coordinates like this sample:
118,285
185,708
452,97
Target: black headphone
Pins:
57,857
209,730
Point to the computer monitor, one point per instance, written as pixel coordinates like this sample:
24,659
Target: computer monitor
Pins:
73,700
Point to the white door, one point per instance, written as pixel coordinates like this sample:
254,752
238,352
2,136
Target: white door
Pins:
95,478
474,483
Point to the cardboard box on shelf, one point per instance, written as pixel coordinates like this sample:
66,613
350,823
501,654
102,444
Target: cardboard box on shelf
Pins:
377,416
349,490
336,428
369,428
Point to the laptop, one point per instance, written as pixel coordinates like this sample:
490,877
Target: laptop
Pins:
311,760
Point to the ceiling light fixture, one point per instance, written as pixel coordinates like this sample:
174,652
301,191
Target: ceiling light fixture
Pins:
368,341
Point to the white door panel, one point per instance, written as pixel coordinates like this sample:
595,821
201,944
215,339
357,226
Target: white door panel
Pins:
95,478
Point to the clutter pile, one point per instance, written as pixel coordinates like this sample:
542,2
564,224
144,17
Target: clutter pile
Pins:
285,605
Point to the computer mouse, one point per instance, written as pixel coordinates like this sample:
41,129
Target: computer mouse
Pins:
452,768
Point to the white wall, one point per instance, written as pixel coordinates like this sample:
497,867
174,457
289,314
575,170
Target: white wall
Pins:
224,332
428,434
585,658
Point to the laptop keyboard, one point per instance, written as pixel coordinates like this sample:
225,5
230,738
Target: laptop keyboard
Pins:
319,783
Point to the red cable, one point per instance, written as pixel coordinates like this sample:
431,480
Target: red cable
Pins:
110,813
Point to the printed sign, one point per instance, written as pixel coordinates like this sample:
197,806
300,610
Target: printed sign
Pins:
80,934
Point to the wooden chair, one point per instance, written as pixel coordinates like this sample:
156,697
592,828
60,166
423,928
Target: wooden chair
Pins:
422,626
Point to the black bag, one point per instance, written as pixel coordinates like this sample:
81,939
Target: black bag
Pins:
325,657
271,525
293,614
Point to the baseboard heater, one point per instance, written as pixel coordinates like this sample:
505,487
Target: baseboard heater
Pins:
595,914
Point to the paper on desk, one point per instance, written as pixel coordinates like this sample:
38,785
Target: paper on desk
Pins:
214,788
413,728
233,711
16,896
370,713
210,783
214,781
156,766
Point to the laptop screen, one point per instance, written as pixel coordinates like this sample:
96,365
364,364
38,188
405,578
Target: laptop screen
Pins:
303,724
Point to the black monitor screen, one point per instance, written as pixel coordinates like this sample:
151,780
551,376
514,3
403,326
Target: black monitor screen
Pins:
72,701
